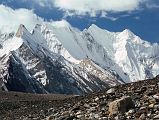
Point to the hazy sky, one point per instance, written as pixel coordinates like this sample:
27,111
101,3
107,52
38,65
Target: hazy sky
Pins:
140,16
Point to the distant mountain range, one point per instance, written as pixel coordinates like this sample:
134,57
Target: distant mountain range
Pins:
58,58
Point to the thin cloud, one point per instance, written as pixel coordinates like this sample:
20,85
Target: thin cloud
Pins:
137,18
152,6
95,7
11,19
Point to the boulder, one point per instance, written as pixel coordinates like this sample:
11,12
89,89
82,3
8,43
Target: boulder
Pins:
121,105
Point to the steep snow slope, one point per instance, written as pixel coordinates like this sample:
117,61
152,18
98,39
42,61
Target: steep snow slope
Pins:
35,62
123,53
137,58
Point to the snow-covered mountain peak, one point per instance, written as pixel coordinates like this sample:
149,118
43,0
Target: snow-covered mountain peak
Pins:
94,27
126,35
60,24
20,30
127,31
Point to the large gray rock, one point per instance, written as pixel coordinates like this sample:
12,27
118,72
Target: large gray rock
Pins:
121,105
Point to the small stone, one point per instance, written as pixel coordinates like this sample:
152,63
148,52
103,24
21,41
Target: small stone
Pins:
78,113
131,111
76,108
103,96
107,113
50,118
143,89
96,116
120,117
91,116
103,109
151,106
156,107
152,100
142,117
96,99
93,104
86,105
156,97
157,112
156,117
103,103
51,110
137,114
143,110
66,113
138,104
92,109
104,118
149,115
80,116
111,91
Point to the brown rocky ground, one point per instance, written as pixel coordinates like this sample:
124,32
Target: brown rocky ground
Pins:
14,105
133,101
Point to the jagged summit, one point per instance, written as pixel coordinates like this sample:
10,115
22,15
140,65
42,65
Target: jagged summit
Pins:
60,24
127,33
93,26
20,30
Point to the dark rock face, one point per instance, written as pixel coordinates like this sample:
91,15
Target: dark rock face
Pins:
59,78
27,71
18,79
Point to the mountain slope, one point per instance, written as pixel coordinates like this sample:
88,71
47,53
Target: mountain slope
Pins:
58,58
122,52
31,65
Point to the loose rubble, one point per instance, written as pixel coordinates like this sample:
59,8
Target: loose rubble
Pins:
133,101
